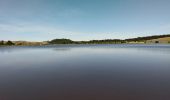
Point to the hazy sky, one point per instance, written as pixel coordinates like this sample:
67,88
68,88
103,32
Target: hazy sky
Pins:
38,20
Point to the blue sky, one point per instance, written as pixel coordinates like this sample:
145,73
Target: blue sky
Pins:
38,20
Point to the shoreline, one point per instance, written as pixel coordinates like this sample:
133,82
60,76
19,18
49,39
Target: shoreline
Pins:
133,44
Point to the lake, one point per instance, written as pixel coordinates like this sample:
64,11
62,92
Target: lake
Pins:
85,72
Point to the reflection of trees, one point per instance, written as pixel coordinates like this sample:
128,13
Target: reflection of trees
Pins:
10,49
6,50
62,49
106,47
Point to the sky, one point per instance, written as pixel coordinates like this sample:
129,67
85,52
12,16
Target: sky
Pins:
41,20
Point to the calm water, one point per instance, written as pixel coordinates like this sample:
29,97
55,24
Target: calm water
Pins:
85,72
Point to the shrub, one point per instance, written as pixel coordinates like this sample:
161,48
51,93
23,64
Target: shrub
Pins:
9,43
1,42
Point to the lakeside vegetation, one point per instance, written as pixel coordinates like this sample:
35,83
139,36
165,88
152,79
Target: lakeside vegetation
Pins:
110,41
61,41
8,43
147,39
68,41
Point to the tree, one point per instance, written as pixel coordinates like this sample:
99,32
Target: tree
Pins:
9,43
1,42
61,41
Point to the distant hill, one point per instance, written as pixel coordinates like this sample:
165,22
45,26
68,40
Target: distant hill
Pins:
144,39
61,41
116,41
159,40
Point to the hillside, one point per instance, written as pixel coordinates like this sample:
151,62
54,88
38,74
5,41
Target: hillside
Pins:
144,39
147,39
159,40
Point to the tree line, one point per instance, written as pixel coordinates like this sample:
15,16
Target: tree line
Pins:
107,41
68,41
6,43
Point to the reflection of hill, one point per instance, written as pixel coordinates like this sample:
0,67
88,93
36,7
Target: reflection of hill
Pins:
8,49
5,50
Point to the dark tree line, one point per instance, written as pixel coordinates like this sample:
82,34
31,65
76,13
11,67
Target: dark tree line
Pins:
107,41
6,43
61,41
68,41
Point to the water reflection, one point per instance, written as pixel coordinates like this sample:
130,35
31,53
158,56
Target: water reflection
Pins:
85,72
62,49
